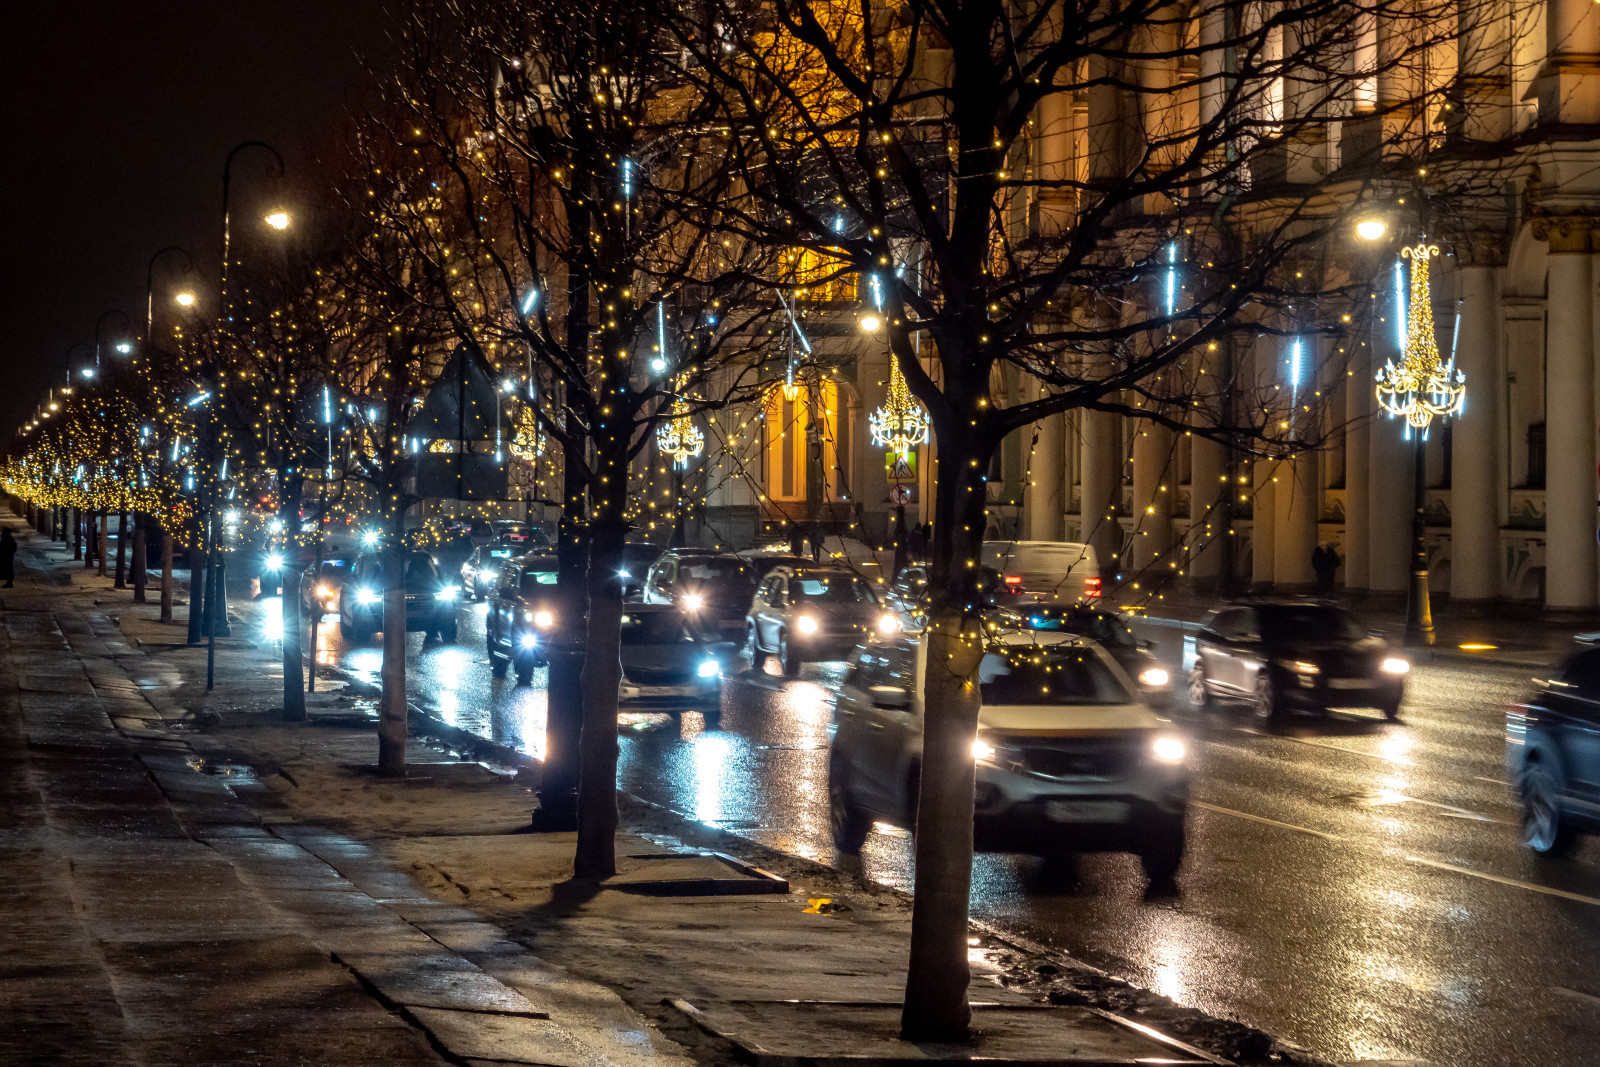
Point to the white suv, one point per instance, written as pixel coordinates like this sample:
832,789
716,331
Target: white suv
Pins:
1068,757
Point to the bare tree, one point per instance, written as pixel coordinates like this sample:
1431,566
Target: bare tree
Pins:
1016,186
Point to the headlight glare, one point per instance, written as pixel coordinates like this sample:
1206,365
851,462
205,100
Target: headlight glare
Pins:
528,641
981,749
1168,749
543,619
275,561
1154,677
693,601
1395,665
449,592
888,624
709,668
367,596
1299,666
806,624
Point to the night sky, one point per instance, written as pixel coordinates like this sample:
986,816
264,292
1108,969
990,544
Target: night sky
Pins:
115,122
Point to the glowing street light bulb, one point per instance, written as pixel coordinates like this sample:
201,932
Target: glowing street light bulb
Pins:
1371,229
185,299
278,220
124,347
870,322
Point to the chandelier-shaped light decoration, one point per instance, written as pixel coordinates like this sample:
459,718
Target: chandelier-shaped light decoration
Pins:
679,437
1422,387
527,442
900,424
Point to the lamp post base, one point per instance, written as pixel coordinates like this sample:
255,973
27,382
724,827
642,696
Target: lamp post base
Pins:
1419,612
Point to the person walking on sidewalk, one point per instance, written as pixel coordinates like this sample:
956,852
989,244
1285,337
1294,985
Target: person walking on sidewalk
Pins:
8,553
1325,561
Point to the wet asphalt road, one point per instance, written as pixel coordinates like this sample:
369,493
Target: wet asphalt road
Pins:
1352,885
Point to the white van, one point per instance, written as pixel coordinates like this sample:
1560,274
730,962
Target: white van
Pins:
1045,570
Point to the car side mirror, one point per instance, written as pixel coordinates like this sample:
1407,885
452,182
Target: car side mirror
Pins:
1374,633
889,696
1146,643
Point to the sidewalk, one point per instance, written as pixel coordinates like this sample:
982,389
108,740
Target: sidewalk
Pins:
223,886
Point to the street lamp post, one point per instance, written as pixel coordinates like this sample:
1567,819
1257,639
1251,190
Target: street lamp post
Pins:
150,287
1419,389
99,328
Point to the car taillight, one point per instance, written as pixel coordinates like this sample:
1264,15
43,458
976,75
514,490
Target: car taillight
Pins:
1013,579
1091,588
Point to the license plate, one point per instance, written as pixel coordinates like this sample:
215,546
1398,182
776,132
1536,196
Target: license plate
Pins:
1086,810
1348,683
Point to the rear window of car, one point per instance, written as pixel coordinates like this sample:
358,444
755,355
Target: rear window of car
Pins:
539,574
1035,676
1107,629
834,588
720,571
655,628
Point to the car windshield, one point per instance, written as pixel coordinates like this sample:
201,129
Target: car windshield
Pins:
831,589
420,573
1042,676
539,574
1105,628
1310,624
655,628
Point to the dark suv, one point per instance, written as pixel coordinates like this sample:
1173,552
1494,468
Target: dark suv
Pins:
522,616
1284,654
712,589
431,598
801,614
1553,752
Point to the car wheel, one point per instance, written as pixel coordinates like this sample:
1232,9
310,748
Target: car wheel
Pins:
449,632
1391,711
847,823
1162,851
1268,707
525,671
497,663
1544,830
788,655
1199,693
712,718
758,658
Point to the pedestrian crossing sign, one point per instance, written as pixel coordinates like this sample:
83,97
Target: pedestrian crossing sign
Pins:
902,466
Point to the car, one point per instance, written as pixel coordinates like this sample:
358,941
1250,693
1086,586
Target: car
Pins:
1288,654
713,588
320,585
1045,570
482,567
801,614
667,665
1069,759
1110,631
523,615
1553,752
430,598
907,595
637,559
766,560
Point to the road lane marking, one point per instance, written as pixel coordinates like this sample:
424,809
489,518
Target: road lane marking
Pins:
1262,819
1491,781
1547,890
1350,751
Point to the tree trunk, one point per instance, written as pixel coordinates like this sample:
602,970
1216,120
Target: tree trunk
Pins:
392,705
563,724
122,550
166,576
139,567
937,977
77,534
602,672
294,694
104,547
197,591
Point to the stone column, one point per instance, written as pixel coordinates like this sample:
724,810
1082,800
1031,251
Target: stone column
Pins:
1475,476
1102,475
1207,460
1389,460
872,488
1057,203
1568,85
1296,502
1044,500
1358,404
1263,524
1483,71
1569,540
1152,500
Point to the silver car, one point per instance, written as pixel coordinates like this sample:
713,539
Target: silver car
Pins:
1069,759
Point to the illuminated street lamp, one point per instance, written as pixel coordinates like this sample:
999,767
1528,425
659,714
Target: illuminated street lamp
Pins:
278,220
185,298
1421,388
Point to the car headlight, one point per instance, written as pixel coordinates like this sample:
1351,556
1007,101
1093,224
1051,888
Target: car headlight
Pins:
1168,749
888,624
806,624
982,750
324,591
1395,665
1154,677
1298,666
624,574
528,640
709,668
367,596
275,561
449,592
693,601
543,619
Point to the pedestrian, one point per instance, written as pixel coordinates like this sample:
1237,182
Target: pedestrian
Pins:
797,540
817,537
8,551
1325,561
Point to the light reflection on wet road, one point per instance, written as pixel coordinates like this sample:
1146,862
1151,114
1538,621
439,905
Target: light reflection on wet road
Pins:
1337,888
